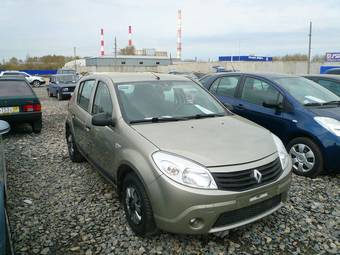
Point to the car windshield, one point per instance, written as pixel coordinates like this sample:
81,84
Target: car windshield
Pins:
166,101
306,92
66,78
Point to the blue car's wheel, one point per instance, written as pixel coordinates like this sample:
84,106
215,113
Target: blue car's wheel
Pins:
306,157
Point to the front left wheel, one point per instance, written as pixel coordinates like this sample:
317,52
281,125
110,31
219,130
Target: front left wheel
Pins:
137,206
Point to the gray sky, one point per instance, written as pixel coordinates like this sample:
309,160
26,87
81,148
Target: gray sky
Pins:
210,27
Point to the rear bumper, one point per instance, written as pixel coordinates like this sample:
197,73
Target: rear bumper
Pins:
22,117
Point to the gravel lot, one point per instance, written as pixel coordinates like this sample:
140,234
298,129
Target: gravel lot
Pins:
59,207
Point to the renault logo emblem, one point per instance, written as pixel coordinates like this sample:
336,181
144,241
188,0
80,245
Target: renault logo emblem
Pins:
256,175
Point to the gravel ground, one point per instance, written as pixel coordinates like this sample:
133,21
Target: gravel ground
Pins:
59,207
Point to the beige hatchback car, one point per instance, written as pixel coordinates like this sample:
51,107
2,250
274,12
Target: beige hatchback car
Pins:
180,161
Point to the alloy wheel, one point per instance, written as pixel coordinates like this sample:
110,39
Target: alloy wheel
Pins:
303,157
133,205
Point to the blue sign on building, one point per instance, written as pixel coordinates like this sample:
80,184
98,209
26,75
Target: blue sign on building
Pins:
333,56
245,58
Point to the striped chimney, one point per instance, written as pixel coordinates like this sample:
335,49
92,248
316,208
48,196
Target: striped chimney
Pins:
102,42
179,34
130,36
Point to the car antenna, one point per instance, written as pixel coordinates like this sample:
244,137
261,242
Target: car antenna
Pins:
157,77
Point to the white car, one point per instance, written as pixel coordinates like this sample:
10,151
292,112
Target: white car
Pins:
35,81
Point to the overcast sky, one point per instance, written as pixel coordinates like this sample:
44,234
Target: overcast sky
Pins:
210,27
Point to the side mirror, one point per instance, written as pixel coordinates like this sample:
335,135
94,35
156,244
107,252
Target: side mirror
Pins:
102,120
4,127
272,104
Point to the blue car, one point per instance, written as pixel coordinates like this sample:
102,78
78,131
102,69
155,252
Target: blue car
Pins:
5,237
62,85
305,115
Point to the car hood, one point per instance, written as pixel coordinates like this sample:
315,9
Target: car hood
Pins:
212,141
331,112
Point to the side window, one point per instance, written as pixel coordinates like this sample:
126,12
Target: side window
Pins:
331,85
227,86
102,101
257,92
213,87
84,94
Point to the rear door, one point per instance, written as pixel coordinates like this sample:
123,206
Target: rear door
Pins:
81,115
225,89
253,94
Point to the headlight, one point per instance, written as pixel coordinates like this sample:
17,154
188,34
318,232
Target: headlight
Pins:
281,150
332,125
184,171
65,89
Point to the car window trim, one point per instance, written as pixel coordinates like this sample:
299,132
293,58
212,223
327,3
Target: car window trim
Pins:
91,96
95,93
237,85
270,83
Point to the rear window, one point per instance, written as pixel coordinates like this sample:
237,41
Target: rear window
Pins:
14,88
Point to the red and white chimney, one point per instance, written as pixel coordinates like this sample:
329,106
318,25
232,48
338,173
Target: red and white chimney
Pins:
130,36
179,34
102,42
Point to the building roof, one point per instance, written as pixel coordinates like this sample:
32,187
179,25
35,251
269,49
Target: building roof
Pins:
118,77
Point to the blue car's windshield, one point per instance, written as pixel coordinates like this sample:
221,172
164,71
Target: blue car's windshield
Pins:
166,101
306,91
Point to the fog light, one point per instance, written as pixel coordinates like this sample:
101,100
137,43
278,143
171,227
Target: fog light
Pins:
196,223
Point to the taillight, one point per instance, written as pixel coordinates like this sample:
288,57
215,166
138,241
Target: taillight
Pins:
31,108
37,107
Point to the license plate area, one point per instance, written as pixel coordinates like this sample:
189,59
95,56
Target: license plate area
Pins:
9,110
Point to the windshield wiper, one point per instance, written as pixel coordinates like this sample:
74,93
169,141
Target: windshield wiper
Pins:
157,119
313,104
332,102
210,115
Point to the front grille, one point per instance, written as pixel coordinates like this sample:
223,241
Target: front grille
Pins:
243,180
71,89
245,213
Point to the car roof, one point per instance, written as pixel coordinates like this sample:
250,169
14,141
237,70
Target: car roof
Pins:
138,76
332,76
12,78
259,74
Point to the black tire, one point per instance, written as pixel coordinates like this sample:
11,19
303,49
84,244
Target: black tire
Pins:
37,126
316,159
36,83
73,151
146,225
59,96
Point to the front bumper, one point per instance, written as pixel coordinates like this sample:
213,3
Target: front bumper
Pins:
181,209
331,151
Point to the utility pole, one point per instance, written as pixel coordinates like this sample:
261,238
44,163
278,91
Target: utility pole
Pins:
75,58
309,47
115,47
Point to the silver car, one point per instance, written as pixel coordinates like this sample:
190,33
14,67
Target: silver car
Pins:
179,160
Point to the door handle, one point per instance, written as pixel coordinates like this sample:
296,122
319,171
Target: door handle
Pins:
240,107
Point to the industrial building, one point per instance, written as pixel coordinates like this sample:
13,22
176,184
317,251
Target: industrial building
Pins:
123,60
